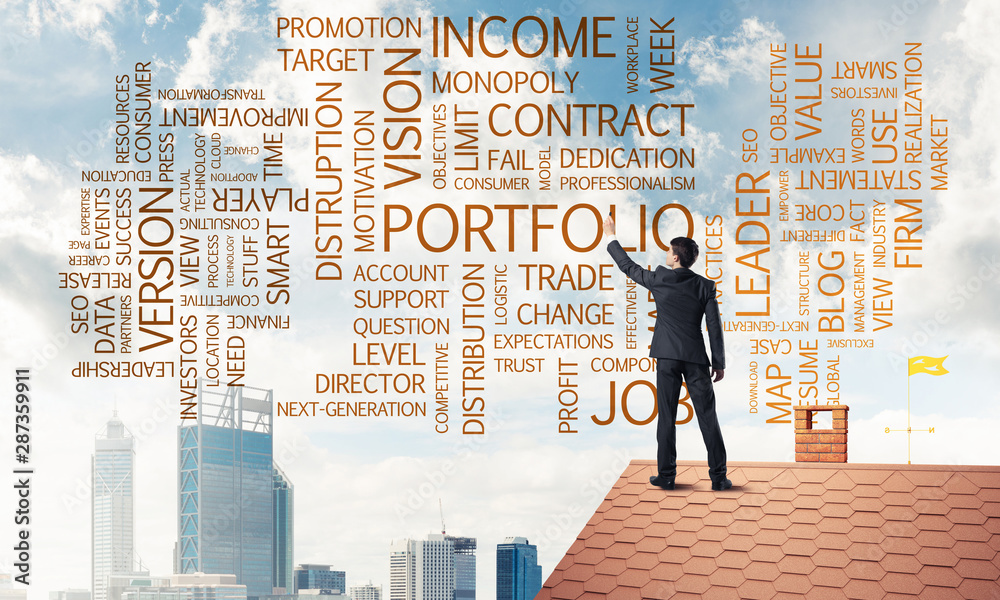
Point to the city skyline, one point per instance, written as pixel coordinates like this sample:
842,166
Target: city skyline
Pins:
116,449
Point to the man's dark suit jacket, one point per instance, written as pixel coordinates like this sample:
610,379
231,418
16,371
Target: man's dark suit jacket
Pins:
682,297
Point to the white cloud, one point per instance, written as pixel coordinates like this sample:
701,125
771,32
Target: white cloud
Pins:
87,19
208,50
961,248
25,179
714,60
154,15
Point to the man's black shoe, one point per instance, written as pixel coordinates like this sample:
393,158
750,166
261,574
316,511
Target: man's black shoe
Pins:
667,484
725,484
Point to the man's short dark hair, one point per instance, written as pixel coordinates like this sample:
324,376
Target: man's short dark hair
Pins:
686,250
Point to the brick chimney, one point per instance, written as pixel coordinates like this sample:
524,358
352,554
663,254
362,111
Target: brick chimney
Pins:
820,445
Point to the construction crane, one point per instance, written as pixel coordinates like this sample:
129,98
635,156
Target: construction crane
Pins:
441,510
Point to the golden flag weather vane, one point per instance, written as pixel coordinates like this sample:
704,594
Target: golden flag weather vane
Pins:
927,364
919,364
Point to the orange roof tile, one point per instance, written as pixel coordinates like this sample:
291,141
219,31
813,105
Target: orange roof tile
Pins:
802,530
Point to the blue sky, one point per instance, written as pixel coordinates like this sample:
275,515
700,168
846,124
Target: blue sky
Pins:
359,482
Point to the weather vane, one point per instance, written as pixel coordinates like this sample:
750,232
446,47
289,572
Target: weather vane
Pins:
919,364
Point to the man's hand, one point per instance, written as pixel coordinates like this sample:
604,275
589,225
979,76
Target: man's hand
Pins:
609,226
718,374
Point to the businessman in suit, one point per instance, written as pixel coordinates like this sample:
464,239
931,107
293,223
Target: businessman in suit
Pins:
682,298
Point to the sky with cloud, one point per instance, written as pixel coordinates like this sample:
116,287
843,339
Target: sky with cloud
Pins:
362,483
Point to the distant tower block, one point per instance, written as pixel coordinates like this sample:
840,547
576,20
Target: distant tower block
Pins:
821,445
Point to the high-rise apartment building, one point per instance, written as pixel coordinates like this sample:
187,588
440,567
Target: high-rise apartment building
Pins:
519,577
225,487
112,471
283,502
402,570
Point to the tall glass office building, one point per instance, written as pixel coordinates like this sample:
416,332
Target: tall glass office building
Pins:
519,577
465,567
112,470
225,480
283,502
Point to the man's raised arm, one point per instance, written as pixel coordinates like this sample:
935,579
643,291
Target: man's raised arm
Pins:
628,266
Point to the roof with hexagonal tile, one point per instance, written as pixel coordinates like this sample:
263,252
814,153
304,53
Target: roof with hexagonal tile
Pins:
790,530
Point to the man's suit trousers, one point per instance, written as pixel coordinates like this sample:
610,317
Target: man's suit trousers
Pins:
668,388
